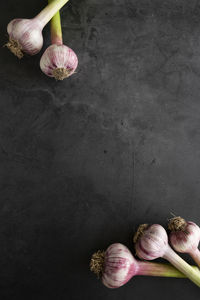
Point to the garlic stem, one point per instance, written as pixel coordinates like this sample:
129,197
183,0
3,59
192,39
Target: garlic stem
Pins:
50,10
56,29
182,266
159,270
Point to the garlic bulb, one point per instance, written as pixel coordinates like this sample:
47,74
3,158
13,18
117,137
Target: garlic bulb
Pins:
116,265
25,36
119,266
152,243
185,237
58,61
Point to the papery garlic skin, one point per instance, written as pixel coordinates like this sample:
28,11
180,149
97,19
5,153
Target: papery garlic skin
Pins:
155,240
58,61
25,36
119,266
187,240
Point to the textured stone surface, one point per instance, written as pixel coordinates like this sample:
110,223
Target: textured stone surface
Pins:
84,161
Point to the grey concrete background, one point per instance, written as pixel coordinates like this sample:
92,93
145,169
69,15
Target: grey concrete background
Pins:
84,161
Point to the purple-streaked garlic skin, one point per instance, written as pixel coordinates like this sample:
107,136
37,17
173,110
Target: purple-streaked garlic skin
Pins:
58,57
187,240
155,240
28,33
119,266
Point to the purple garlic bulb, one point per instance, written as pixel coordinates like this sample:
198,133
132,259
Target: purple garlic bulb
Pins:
58,61
116,265
25,36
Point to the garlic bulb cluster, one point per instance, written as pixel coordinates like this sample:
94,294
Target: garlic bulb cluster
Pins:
151,242
25,36
58,61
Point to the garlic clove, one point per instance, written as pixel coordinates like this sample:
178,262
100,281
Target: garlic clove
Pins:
58,61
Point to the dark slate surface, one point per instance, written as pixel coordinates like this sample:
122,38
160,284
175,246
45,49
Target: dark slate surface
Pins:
84,161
